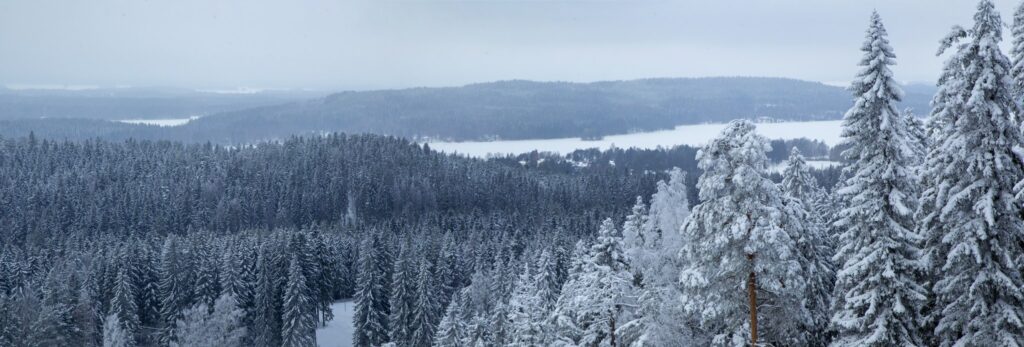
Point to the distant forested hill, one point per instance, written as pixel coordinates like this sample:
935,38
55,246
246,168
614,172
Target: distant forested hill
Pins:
507,110
132,103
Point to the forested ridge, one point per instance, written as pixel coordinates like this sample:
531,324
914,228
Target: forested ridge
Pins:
497,110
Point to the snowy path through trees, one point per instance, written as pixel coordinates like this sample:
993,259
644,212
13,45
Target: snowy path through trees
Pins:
338,332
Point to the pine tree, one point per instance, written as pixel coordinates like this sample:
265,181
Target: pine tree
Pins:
970,218
299,329
402,299
738,235
370,320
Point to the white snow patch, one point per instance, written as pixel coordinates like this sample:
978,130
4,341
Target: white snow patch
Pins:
817,164
338,332
693,135
166,122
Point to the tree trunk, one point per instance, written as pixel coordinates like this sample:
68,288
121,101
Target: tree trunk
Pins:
611,324
752,293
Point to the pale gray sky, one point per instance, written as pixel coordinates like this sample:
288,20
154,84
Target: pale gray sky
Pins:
357,44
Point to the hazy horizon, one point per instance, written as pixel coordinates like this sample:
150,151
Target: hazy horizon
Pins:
361,45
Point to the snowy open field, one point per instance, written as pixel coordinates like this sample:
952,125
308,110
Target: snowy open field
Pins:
698,134
338,332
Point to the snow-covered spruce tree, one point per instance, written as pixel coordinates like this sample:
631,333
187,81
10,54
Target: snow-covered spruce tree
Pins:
878,296
526,311
427,306
227,323
660,319
802,193
298,316
970,218
589,309
371,319
634,236
742,274
451,332
173,288
1017,53
199,327
114,334
403,298
123,305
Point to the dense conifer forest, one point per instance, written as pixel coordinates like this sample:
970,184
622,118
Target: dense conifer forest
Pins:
916,240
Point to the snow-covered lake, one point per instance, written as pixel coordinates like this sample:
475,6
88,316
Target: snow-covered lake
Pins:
694,135
338,332
166,122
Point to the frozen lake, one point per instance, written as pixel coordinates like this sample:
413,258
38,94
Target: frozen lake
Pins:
167,122
338,332
694,135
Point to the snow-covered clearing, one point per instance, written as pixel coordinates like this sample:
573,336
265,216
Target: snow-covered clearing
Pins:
166,122
817,164
694,135
338,332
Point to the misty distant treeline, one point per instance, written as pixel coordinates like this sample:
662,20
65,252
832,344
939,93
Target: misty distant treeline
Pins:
505,110
131,103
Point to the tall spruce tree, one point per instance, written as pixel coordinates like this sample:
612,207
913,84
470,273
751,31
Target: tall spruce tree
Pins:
1017,53
590,308
124,307
371,317
802,193
427,308
403,298
878,294
970,218
299,318
742,276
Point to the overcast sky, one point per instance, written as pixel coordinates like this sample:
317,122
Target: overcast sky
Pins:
356,44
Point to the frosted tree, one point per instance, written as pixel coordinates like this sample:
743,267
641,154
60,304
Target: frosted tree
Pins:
742,275
403,290
371,317
452,329
660,319
635,232
299,320
114,334
802,193
590,307
173,288
526,310
199,327
124,306
427,306
878,296
1017,53
970,218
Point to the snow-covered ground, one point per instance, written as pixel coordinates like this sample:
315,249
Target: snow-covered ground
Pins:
698,134
817,164
168,122
338,332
